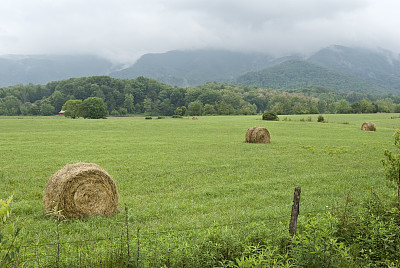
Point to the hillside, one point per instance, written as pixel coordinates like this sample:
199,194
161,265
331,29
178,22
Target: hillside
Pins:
378,66
342,68
196,67
298,73
41,69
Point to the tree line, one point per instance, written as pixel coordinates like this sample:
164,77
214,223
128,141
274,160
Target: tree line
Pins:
146,96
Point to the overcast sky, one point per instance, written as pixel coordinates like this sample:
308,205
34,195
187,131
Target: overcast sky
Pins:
123,30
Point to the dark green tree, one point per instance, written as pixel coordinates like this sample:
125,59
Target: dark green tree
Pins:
148,106
225,108
94,108
73,108
209,109
343,107
57,99
129,103
166,108
195,108
47,109
248,109
9,106
180,111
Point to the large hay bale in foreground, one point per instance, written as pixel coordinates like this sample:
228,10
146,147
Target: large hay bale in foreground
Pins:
258,135
80,190
368,126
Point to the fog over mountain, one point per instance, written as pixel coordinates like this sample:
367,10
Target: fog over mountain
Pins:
187,43
41,69
122,31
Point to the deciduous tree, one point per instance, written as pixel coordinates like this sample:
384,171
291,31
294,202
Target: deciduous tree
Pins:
94,108
72,108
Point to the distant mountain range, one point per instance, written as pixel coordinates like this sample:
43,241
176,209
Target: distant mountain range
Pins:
341,68
196,67
41,69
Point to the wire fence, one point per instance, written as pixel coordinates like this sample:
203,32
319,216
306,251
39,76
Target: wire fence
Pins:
134,247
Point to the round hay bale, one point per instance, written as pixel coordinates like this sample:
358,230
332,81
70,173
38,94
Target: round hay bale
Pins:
258,135
80,190
368,126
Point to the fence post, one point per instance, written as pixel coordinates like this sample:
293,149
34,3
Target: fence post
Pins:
295,211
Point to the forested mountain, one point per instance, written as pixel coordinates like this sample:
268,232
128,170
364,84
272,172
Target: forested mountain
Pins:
380,66
195,67
41,69
298,73
341,68
337,67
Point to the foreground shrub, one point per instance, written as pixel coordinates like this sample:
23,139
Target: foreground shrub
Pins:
391,163
262,256
9,231
372,230
316,244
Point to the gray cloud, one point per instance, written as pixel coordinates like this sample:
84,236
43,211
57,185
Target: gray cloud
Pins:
123,29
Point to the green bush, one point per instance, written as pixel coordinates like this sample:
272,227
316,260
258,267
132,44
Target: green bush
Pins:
321,119
372,231
9,231
316,245
392,163
148,117
270,116
177,116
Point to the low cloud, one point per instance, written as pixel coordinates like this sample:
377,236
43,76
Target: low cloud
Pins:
123,30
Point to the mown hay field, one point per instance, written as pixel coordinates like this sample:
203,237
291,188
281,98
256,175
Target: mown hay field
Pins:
183,173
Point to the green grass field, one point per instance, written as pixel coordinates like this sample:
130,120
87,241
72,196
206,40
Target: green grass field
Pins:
183,173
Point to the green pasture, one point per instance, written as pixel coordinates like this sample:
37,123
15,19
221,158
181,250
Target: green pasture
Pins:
183,173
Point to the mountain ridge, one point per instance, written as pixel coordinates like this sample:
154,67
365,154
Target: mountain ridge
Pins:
363,70
194,67
293,74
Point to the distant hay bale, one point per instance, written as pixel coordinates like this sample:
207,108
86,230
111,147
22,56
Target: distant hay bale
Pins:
368,126
258,135
80,190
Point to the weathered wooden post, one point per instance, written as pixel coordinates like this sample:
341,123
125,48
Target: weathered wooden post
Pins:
295,211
